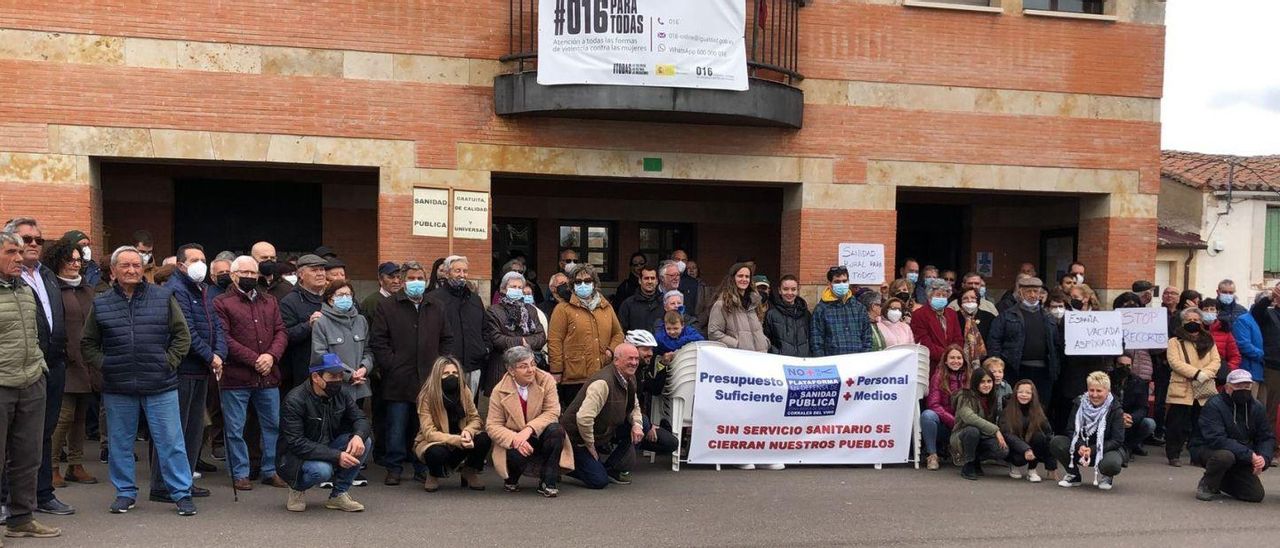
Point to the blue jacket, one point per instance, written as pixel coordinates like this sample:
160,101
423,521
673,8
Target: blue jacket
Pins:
1249,338
1008,337
136,342
839,327
667,344
207,339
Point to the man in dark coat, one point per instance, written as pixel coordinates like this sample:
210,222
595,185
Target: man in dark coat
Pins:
1234,442
1025,337
642,309
464,319
323,437
407,336
53,342
300,309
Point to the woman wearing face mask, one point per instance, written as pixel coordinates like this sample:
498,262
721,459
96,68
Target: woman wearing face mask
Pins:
871,300
439,275
975,324
733,319
1223,339
583,332
450,434
64,259
786,325
901,289
343,331
893,325
977,434
543,320
510,322
1028,433
1093,437
673,301
949,377
1194,359
938,327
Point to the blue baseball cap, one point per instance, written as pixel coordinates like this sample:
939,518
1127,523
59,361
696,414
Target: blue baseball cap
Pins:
330,363
388,268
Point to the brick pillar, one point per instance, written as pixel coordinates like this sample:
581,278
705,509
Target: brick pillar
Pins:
818,217
1117,241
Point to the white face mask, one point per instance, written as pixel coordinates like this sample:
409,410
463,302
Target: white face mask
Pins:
197,271
969,308
680,266
291,278
86,254
1079,278
893,315
1058,312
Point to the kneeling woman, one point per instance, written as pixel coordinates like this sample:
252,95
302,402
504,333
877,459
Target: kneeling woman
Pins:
977,433
1028,433
1094,435
450,432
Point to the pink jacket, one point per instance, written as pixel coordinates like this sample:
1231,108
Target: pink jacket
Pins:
895,333
941,404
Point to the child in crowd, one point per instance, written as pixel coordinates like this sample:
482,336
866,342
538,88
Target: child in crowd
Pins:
1027,432
977,434
995,366
674,335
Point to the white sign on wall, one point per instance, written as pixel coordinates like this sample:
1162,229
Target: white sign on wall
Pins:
470,215
431,212
669,43
864,261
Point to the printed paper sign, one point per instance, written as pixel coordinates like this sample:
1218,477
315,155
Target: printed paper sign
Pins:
431,212
470,215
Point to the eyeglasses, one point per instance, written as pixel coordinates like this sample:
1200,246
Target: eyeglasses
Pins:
33,240
75,261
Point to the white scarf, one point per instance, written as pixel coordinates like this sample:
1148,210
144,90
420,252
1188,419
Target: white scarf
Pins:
1091,420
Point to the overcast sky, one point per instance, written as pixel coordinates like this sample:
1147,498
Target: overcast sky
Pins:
1222,76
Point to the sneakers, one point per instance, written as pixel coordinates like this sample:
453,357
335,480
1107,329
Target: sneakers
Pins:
775,466
1104,482
344,502
1071,480
931,462
196,476
1016,472
327,485
549,491
186,507
957,456
297,501
32,529
55,507
1204,493
360,480
510,487
746,467
122,505
620,478
1032,476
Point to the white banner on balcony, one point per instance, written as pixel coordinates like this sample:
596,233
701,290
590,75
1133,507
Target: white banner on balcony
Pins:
668,43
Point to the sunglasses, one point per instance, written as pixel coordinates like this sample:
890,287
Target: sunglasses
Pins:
642,263
33,240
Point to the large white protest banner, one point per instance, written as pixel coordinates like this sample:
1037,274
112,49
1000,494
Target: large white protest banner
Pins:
1094,333
1145,328
670,43
751,407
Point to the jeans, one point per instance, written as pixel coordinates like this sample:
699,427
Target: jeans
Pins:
1040,450
235,403
932,430
56,381
664,445
164,420
1222,472
21,428
1067,453
191,394
71,426
402,427
1177,427
1142,428
315,472
621,455
547,447
441,458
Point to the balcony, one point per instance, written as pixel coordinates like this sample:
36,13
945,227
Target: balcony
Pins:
770,100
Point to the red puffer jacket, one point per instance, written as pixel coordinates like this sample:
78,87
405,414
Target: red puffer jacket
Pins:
1226,343
253,327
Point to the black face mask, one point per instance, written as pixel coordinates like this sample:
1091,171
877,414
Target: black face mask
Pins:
247,284
1192,327
1241,397
449,385
563,292
904,296
332,388
1077,304
223,281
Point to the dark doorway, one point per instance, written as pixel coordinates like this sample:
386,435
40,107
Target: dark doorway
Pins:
935,234
259,214
513,238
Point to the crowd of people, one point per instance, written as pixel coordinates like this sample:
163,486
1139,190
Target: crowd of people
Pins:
276,365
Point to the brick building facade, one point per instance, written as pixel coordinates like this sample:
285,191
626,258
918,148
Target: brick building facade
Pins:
939,132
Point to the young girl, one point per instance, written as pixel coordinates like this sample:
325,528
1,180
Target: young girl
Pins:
995,366
674,335
977,435
1028,433
936,421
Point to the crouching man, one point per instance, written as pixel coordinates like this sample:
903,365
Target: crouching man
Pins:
323,436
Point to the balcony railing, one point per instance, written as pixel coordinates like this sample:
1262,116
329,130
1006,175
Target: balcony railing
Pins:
772,35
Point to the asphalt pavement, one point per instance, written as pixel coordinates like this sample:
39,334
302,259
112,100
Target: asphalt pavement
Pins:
1152,505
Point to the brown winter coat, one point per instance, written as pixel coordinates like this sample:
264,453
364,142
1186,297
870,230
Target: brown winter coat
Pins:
505,418
1187,368
433,421
579,340
76,302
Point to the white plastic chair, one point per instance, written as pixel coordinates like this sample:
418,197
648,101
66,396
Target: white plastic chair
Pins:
922,390
682,380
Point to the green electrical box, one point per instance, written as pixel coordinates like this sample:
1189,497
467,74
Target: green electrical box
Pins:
653,164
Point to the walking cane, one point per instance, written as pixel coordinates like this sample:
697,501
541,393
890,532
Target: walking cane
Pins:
217,380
